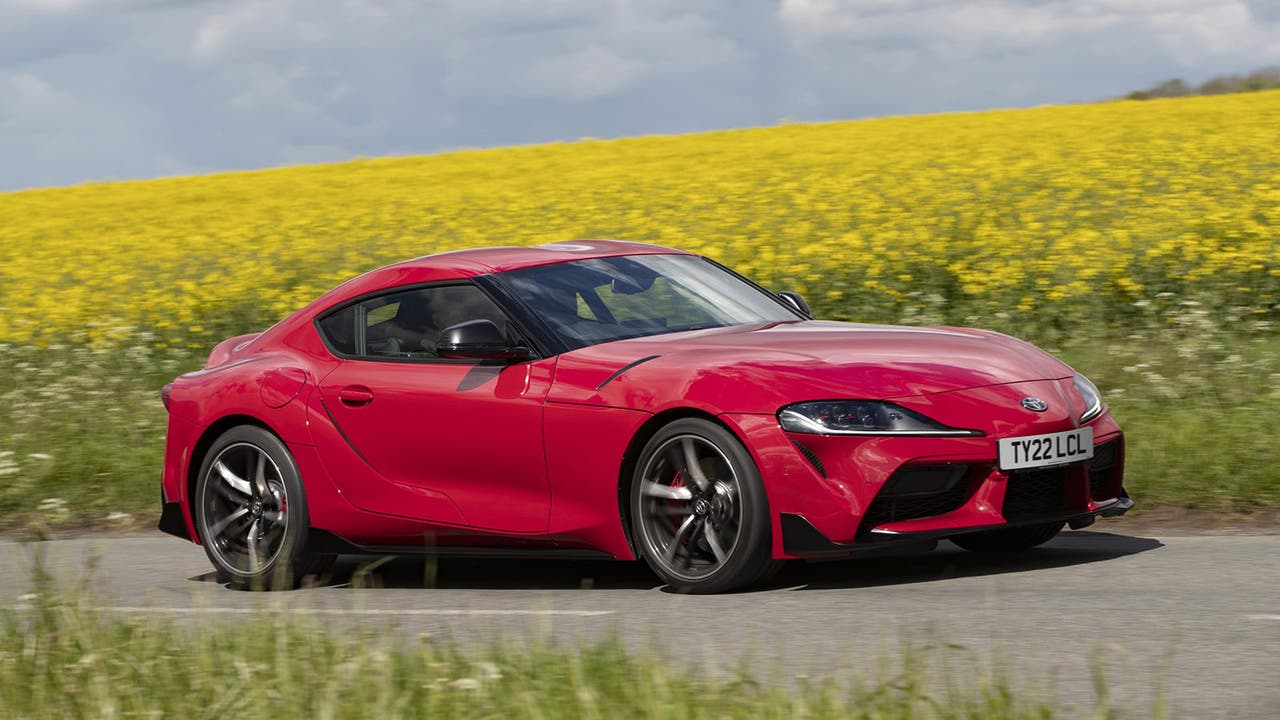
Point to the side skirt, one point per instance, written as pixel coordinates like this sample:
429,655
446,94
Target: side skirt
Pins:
327,543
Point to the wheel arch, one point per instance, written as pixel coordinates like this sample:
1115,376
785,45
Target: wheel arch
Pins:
631,456
207,438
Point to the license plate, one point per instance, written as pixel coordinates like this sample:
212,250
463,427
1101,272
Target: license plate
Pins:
1050,449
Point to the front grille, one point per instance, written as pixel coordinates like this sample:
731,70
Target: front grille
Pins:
902,497
1101,486
1104,455
1030,493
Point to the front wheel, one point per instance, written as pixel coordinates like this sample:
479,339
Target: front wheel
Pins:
251,512
1008,540
699,509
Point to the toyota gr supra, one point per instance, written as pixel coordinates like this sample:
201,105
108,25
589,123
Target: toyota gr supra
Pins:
622,400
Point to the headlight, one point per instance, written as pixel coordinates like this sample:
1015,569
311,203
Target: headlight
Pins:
1092,398
860,417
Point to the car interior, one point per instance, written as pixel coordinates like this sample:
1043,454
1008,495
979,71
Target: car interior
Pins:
413,328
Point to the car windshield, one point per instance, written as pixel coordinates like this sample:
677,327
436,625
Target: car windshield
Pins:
587,302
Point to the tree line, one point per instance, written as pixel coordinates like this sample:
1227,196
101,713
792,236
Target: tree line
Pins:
1264,79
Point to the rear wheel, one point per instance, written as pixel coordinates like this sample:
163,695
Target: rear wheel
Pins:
1008,540
251,512
699,509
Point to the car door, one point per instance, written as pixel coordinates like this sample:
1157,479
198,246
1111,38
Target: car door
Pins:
467,430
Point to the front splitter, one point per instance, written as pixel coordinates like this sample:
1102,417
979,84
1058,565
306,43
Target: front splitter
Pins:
802,540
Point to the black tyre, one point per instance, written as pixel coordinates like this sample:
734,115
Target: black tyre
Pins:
1009,540
699,511
251,512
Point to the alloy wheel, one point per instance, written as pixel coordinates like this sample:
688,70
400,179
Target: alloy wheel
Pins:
690,507
246,509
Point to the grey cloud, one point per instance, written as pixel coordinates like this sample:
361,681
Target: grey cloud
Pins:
923,55
1265,10
28,34
138,88
250,83
972,28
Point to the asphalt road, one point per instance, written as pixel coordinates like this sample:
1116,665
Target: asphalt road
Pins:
1198,617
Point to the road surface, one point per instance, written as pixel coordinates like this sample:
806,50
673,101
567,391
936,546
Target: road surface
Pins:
1196,616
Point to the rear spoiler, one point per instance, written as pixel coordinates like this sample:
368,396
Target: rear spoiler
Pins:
226,350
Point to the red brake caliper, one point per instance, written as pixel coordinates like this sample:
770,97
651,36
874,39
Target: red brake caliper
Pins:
676,481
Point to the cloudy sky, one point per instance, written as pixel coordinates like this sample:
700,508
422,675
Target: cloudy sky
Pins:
107,89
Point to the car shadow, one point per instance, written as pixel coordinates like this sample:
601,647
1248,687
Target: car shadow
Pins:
888,567
358,572
948,562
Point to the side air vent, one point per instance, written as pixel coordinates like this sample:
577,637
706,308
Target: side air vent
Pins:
812,457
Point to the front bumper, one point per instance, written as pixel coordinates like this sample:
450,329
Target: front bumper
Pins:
802,540
866,490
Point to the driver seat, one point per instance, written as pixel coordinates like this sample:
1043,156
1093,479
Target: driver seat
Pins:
414,328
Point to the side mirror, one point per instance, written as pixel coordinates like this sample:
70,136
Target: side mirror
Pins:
480,340
794,300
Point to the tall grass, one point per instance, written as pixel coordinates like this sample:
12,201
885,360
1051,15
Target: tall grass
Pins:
60,658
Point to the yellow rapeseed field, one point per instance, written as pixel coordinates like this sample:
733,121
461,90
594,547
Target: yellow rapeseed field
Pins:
1057,217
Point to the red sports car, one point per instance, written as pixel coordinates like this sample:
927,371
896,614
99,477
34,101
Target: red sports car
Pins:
624,400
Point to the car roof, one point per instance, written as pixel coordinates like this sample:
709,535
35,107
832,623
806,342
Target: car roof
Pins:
462,264
482,261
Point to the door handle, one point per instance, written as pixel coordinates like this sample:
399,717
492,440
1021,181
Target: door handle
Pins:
355,395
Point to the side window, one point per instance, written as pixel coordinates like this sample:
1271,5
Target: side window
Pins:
407,324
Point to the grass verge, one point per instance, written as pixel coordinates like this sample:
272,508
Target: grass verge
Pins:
61,659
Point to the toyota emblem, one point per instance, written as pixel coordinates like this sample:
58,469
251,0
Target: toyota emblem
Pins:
1034,404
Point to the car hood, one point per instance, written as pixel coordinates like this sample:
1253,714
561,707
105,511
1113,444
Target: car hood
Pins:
755,368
